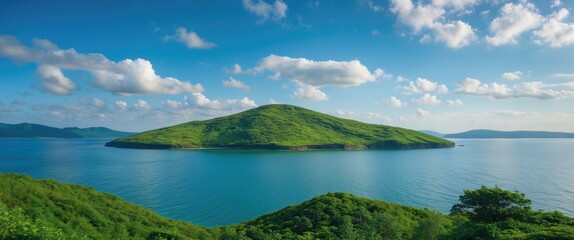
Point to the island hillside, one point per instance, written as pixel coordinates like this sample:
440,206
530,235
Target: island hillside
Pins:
30,130
278,126
46,209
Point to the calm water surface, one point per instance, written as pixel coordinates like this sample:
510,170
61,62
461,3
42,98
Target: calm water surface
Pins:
210,187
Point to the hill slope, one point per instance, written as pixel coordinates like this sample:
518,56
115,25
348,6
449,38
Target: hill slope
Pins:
281,127
46,209
30,130
482,133
76,212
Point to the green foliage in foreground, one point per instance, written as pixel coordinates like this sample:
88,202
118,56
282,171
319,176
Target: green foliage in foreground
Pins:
281,127
46,209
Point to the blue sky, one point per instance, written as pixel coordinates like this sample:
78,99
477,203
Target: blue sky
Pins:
444,65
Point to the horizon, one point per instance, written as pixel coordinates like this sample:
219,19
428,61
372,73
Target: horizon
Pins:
445,66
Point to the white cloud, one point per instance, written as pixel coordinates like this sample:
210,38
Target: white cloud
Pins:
272,101
422,85
401,79
126,77
421,113
394,102
142,105
372,5
190,39
198,100
121,105
419,16
555,32
516,75
235,69
275,11
172,104
53,80
556,3
526,89
318,73
515,19
456,102
308,92
456,4
427,99
455,34
380,73
375,32
232,82
563,75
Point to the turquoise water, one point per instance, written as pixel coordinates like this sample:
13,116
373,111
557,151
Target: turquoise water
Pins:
215,187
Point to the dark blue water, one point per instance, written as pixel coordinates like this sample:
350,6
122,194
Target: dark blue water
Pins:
210,187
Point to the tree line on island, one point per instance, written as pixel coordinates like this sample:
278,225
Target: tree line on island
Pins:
46,209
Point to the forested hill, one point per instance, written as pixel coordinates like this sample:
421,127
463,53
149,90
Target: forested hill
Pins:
279,126
46,209
30,130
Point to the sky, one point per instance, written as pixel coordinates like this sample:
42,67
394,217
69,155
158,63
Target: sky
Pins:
442,65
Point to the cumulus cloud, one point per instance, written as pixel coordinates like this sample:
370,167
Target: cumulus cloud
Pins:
190,39
427,99
421,113
318,73
232,82
421,85
394,102
311,75
235,69
455,4
53,80
526,89
516,75
199,100
126,77
309,92
515,19
555,32
556,3
455,34
419,16
453,103
121,105
264,10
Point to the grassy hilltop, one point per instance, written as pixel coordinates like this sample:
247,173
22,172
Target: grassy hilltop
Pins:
46,209
281,127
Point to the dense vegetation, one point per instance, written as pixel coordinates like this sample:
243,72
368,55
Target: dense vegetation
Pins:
281,127
30,130
46,209
481,133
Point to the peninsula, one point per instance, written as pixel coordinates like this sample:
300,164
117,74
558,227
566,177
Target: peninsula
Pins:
282,127
31,130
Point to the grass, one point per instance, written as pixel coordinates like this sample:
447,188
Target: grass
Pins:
281,127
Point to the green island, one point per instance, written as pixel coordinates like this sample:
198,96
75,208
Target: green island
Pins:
46,209
284,127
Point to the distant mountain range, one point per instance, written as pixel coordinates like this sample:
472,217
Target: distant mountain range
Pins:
483,133
30,130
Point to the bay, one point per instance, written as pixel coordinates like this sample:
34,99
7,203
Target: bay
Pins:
221,187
